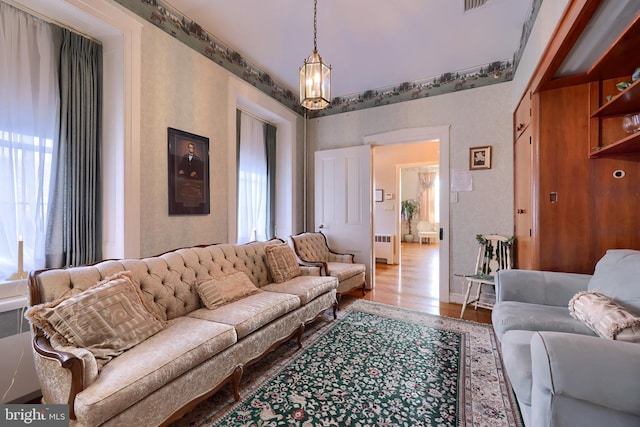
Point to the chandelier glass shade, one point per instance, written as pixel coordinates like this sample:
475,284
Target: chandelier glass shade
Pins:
315,76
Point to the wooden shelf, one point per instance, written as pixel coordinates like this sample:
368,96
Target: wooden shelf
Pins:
616,61
630,144
626,102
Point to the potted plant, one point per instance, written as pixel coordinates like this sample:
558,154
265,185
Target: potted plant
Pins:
408,210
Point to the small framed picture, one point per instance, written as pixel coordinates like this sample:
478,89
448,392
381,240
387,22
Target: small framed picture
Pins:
480,158
377,195
188,173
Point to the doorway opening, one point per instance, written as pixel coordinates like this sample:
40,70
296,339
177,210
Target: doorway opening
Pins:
419,187
439,135
403,172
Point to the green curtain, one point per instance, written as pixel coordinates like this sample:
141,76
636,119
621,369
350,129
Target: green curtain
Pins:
74,234
270,140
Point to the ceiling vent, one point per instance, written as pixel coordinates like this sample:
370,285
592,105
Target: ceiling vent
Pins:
472,4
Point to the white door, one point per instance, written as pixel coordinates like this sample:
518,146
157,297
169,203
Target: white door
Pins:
343,201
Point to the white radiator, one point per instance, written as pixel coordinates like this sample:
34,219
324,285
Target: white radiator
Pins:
384,246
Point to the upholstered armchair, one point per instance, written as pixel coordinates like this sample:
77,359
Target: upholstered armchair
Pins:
313,249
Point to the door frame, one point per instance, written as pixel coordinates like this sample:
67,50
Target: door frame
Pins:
425,134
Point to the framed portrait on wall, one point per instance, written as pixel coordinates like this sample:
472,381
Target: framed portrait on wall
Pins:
188,173
480,158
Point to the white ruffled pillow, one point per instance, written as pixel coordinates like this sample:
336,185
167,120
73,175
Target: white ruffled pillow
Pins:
605,317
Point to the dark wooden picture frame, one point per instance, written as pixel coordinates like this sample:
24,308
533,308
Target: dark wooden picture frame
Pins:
188,175
480,158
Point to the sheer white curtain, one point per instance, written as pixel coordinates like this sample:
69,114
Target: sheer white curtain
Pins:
252,180
28,117
428,196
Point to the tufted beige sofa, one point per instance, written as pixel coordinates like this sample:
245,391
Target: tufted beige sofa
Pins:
313,250
200,351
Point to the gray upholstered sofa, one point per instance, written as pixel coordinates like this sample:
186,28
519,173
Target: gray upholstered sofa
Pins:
191,351
562,371
313,249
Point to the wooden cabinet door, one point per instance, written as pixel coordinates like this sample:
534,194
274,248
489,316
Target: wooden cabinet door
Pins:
524,254
564,188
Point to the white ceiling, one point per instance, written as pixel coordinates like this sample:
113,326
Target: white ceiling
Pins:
370,44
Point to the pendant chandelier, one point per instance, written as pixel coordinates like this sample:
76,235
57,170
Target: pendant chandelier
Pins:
315,75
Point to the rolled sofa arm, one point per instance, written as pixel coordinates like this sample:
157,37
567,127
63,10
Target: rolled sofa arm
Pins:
597,373
61,373
539,287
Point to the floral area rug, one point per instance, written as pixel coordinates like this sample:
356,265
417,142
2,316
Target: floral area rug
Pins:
376,365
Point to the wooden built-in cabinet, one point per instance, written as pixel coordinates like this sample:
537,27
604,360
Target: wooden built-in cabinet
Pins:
571,204
522,116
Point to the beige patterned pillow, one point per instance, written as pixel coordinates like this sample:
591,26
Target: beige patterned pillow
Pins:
282,262
106,319
216,292
604,316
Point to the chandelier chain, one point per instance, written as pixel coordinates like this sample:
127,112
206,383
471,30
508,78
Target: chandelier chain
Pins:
315,26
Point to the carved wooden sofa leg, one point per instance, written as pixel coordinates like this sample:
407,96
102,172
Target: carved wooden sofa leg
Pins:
237,376
299,335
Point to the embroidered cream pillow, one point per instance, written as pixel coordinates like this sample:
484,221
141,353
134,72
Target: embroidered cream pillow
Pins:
106,319
216,292
604,316
282,262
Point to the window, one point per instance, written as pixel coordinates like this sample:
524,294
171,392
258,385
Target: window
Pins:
28,117
429,195
26,164
256,179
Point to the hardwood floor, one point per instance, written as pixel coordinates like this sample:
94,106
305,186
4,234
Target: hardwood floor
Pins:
413,284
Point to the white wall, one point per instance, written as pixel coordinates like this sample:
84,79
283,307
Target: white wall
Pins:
386,160
546,22
478,117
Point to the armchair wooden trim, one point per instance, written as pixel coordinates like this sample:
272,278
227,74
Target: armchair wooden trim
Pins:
68,361
42,346
296,249
350,278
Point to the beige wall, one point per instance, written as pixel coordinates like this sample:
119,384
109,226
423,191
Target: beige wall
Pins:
478,117
184,90
180,89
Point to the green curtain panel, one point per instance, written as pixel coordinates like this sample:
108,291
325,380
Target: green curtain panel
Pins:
75,222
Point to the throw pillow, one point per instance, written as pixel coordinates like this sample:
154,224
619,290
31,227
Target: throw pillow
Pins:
282,262
106,319
615,274
216,292
605,317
